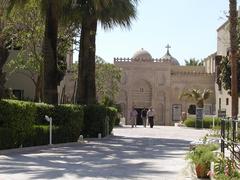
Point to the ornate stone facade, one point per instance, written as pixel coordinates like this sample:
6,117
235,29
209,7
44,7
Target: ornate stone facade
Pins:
158,83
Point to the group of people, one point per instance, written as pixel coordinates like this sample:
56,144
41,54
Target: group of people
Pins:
146,115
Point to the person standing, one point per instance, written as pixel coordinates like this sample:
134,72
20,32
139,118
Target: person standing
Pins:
133,117
150,116
144,116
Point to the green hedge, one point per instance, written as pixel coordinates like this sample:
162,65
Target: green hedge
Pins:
69,119
23,123
42,110
94,120
207,122
16,121
112,113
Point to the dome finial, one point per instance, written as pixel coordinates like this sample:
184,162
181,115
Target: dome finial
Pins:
168,47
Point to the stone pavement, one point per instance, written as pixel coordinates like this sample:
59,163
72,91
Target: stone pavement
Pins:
132,153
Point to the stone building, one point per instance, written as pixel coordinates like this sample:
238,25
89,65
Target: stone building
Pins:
223,98
158,83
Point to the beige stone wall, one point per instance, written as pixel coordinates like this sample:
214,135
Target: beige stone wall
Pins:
145,84
223,44
209,63
159,85
19,81
183,82
223,39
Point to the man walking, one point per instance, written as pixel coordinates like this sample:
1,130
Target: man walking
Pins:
144,116
150,116
133,117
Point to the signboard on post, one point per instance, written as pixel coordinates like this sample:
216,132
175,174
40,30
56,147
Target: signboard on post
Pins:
222,113
199,118
176,112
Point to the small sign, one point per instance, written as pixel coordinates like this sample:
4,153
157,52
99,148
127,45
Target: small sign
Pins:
222,113
176,112
199,118
199,114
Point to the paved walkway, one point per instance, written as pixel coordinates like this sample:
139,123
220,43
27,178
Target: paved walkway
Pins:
132,153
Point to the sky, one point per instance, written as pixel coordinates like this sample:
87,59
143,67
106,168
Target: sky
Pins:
188,26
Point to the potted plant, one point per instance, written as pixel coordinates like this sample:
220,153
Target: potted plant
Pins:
201,156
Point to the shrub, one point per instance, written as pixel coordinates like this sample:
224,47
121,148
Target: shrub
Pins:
207,122
202,156
6,138
16,119
94,120
190,122
117,121
43,109
23,123
69,119
40,136
225,168
113,116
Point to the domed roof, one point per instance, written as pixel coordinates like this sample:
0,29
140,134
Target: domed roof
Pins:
168,57
142,55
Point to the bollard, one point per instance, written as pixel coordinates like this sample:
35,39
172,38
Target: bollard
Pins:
99,135
80,139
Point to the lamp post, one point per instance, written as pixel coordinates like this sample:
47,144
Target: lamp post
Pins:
49,119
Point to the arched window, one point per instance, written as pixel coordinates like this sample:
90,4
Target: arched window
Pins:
192,109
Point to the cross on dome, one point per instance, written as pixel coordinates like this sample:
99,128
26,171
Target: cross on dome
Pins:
168,47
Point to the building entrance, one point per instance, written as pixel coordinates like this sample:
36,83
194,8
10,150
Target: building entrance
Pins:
139,119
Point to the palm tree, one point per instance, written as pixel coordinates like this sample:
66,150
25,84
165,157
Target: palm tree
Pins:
3,51
193,62
197,95
233,20
53,11
109,13
50,53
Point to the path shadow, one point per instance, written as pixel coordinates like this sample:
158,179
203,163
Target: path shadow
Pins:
115,157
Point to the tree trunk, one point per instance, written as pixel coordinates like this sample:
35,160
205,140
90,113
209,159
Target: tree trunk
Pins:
86,87
38,89
50,53
3,58
233,55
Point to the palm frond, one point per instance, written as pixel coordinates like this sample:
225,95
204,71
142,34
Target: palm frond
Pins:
206,94
197,95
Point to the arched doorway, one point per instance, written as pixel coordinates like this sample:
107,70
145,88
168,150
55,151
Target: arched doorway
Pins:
141,97
192,109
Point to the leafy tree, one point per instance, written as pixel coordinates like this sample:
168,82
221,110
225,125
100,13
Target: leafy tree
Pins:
224,78
3,50
193,62
108,78
197,95
224,75
53,10
109,13
25,29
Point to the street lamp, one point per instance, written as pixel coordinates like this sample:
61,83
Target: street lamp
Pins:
49,119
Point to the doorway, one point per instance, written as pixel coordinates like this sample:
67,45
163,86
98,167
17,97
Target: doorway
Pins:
139,119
